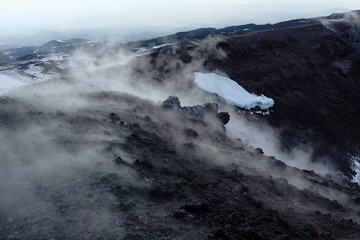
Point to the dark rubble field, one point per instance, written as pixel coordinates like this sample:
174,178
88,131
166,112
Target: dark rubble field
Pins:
124,168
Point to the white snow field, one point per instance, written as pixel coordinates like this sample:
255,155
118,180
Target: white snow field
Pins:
231,92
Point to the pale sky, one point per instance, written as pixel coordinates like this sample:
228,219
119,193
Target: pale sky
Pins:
26,15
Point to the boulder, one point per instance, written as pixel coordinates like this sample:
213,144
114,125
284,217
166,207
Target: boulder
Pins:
171,102
224,117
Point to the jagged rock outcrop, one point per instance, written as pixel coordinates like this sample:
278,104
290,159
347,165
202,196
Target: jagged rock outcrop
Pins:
198,112
171,102
224,117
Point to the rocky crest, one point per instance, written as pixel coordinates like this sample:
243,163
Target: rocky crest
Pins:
198,112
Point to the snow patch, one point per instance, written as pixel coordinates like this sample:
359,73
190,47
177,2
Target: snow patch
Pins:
337,20
61,41
231,92
144,49
141,50
163,45
355,166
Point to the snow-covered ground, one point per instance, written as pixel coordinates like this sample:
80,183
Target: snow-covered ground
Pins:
11,80
11,77
231,92
37,74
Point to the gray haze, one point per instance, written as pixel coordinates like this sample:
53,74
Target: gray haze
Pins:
128,19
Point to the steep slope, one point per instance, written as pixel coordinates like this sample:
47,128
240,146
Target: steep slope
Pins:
311,72
118,167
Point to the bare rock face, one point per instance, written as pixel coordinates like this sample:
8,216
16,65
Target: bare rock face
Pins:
198,112
171,102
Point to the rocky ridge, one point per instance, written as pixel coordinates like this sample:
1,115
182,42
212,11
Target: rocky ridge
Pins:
157,174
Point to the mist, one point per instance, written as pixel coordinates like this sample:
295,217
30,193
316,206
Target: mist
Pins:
92,73
69,146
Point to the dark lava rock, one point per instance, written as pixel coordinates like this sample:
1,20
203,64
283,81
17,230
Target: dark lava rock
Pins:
356,200
190,145
280,164
147,141
191,133
241,188
259,150
343,66
198,208
161,192
251,234
120,161
311,231
171,102
143,164
126,206
131,236
195,113
210,107
134,126
254,201
224,117
110,179
220,234
179,213
114,118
